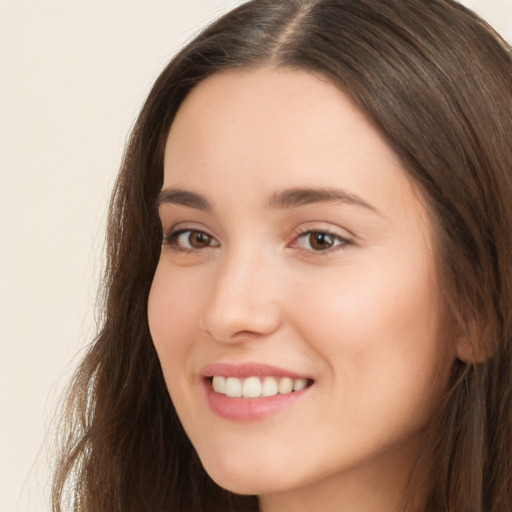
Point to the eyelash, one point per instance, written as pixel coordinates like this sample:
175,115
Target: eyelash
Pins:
172,238
338,241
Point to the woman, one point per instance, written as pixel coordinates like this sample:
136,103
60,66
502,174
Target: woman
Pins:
308,287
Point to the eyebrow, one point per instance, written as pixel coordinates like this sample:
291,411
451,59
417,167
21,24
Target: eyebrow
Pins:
182,197
287,199
295,197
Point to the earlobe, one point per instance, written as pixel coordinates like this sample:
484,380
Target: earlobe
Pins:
465,351
474,345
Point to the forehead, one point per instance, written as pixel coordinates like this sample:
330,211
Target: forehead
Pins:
269,129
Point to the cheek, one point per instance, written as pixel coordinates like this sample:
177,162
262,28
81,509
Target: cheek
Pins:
172,315
380,324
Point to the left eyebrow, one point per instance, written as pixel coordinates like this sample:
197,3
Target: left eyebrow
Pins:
295,197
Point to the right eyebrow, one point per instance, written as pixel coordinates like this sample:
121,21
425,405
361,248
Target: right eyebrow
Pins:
182,197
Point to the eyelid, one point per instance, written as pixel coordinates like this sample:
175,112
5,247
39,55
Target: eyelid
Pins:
346,240
342,237
177,230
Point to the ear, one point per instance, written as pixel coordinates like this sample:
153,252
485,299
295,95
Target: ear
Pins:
474,345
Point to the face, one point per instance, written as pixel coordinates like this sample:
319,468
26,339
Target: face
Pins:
297,255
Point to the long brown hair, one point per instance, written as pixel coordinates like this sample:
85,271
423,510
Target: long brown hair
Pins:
436,81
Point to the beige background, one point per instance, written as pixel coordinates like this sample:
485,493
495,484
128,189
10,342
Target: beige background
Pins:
73,75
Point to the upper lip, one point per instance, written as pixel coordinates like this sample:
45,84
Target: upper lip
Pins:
249,369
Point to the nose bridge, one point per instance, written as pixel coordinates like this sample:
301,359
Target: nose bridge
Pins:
242,300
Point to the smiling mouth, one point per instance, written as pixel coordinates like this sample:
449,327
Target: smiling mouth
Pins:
257,387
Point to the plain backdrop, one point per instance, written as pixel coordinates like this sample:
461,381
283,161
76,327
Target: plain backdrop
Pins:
73,75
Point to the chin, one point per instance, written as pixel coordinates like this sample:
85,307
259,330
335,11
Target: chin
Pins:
246,480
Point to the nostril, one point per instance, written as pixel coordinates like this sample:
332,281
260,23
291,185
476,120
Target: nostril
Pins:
231,317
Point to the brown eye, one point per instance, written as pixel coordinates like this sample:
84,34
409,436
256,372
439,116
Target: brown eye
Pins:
319,241
189,239
198,239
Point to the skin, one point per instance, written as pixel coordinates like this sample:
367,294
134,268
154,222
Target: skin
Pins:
363,318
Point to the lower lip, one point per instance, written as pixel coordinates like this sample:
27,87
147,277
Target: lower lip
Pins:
250,409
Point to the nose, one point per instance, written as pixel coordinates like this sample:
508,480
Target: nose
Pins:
243,303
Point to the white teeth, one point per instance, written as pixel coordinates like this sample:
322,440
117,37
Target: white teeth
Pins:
233,387
269,387
251,387
285,386
219,384
299,384
254,387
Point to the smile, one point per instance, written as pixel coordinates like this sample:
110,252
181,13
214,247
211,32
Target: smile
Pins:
257,387
252,391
